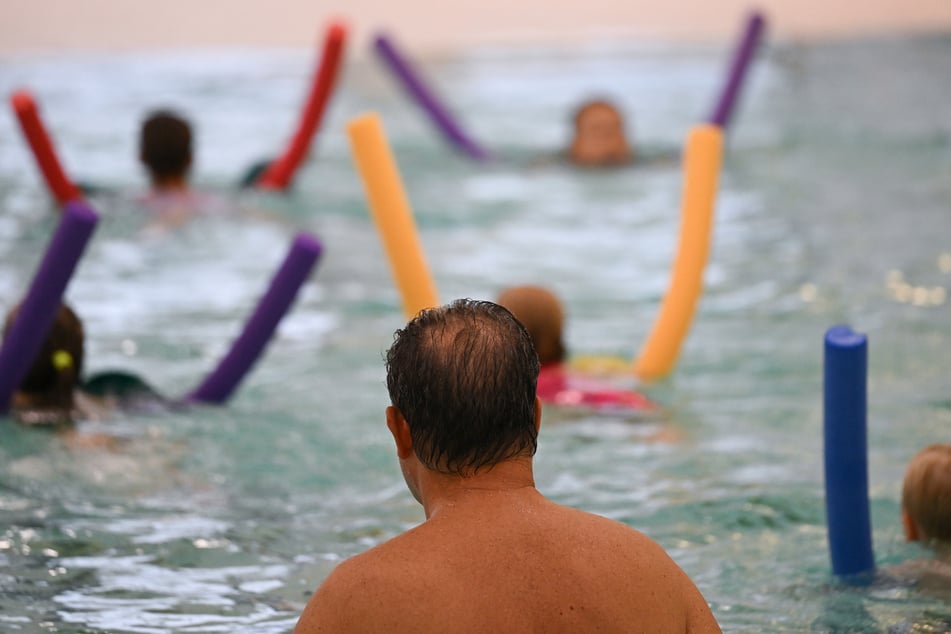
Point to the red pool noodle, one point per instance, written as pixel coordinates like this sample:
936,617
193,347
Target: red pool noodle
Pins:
59,184
279,173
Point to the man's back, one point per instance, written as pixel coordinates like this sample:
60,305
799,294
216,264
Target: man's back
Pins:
510,561
493,555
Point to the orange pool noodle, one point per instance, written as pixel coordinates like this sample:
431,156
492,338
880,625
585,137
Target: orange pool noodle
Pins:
56,180
701,165
392,213
278,175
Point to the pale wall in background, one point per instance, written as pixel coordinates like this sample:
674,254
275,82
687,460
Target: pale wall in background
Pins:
434,26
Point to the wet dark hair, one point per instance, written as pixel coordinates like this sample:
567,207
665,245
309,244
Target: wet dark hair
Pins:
464,377
165,145
52,374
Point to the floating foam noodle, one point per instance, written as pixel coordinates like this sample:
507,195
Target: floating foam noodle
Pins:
392,214
702,160
742,56
260,327
846,452
426,98
63,189
279,173
39,307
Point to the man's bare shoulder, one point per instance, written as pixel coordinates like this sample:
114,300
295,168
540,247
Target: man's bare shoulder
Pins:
370,583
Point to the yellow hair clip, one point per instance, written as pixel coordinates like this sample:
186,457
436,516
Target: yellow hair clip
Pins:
62,360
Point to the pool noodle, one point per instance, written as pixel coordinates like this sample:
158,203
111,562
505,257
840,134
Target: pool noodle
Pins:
28,115
846,451
426,99
279,173
247,348
39,307
392,214
702,160
742,56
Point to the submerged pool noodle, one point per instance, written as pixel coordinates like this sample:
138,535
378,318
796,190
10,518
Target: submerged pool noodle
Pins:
42,301
702,160
742,56
392,214
35,132
424,96
846,451
279,173
271,308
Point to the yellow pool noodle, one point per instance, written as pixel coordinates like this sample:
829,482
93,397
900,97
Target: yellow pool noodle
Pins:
392,214
701,165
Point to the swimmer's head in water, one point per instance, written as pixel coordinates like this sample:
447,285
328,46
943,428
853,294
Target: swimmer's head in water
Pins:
464,377
599,136
56,370
926,495
165,146
540,312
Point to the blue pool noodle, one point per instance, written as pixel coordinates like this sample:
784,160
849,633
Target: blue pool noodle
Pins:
247,348
742,57
38,309
426,98
846,452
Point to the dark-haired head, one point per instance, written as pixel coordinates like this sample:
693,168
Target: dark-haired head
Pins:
55,372
165,147
464,377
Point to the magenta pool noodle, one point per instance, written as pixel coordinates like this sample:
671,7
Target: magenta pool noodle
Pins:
39,308
738,68
247,348
427,99
846,451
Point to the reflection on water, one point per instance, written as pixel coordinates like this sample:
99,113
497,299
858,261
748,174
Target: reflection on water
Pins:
833,208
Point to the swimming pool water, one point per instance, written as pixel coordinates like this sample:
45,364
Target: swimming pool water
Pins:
833,208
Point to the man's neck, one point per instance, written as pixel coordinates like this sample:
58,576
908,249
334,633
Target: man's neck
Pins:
170,184
442,494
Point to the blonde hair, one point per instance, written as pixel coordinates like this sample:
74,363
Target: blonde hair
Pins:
926,492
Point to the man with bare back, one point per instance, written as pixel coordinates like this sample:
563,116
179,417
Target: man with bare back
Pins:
493,554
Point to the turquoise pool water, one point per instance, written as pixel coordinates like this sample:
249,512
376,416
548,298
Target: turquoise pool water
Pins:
834,208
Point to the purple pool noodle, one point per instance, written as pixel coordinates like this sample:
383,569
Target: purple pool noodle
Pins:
39,308
741,61
427,100
259,329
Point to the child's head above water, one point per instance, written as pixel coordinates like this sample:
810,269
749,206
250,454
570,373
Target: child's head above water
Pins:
46,391
926,496
599,137
165,148
540,312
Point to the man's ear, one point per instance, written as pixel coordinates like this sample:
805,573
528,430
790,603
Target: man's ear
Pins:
911,529
400,430
538,413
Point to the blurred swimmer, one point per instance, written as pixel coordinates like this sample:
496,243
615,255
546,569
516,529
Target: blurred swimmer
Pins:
48,393
493,554
926,497
540,311
165,149
52,392
926,516
166,152
599,136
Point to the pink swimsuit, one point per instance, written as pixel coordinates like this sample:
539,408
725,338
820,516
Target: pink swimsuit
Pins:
558,385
